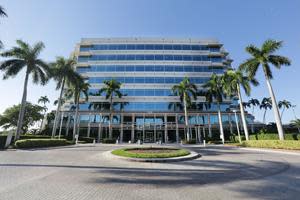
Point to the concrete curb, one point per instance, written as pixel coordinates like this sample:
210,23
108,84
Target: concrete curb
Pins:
193,155
279,151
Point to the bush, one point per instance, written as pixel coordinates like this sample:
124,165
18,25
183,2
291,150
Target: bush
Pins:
29,136
267,136
33,143
192,141
274,144
109,141
87,139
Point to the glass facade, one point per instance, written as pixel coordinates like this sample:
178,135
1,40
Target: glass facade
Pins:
153,67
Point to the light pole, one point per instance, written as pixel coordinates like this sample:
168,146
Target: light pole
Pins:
237,125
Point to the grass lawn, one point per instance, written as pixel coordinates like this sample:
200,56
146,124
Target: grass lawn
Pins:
150,152
271,144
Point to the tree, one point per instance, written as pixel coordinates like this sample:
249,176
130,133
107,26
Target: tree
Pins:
252,103
111,89
75,89
25,56
43,100
9,118
296,123
214,92
284,104
2,14
264,57
233,80
63,72
266,103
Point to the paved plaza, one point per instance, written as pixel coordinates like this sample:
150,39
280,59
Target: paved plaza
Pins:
86,173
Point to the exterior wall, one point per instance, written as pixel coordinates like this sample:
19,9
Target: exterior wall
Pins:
147,69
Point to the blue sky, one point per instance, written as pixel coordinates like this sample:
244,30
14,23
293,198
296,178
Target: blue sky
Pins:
60,24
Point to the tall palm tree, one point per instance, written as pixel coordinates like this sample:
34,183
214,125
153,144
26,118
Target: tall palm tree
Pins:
111,89
214,92
2,14
266,103
186,91
75,89
43,100
253,102
296,123
265,57
284,104
233,81
25,56
63,72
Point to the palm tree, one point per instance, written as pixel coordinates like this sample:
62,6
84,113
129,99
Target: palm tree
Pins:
264,57
2,14
296,123
43,100
214,92
233,80
186,91
265,104
284,104
25,56
252,103
111,89
74,91
63,72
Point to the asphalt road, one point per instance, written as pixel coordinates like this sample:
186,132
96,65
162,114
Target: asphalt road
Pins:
85,172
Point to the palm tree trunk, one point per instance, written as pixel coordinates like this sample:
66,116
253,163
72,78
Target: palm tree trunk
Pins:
42,121
75,120
252,124
221,124
110,119
22,108
57,109
186,120
264,117
242,112
276,111
282,112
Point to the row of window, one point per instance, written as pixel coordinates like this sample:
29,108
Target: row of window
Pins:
201,119
149,68
161,80
149,57
153,106
138,92
148,47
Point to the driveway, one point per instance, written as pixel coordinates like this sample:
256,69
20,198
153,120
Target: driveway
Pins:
85,172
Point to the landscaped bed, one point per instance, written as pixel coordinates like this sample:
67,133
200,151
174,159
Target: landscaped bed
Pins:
273,144
151,152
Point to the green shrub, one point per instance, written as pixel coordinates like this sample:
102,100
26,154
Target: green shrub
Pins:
29,136
192,141
274,144
109,141
87,139
267,136
125,152
33,143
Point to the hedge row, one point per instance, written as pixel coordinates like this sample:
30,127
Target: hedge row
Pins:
267,136
33,143
273,144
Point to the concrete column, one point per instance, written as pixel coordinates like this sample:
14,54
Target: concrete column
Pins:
89,126
199,134
68,124
143,128
209,126
230,124
132,129
99,129
121,130
166,129
204,134
177,131
196,134
154,128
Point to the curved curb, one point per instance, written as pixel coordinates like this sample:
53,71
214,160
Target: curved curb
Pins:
193,155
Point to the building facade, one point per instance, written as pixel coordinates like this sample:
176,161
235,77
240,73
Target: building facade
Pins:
147,69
